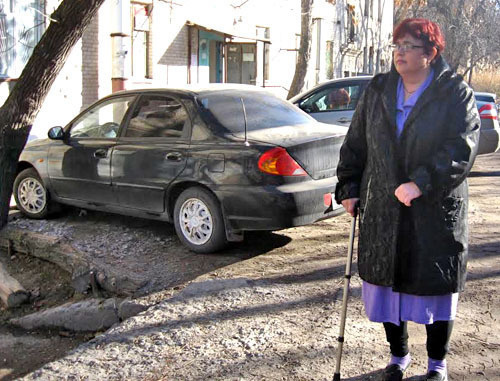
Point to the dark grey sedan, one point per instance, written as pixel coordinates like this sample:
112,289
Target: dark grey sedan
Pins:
216,162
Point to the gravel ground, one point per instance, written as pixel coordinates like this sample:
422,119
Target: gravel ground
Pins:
272,311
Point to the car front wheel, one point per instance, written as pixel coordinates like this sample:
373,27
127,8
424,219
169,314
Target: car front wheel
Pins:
198,221
31,195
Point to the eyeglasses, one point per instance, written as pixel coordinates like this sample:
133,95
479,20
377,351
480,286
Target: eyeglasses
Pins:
404,47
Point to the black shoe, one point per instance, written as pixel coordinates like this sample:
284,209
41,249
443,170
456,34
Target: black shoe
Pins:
436,376
392,373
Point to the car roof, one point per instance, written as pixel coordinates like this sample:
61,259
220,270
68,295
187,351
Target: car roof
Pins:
485,94
345,79
199,89
330,81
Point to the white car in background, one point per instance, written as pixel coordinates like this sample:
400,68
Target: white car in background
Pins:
490,129
327,102
334,102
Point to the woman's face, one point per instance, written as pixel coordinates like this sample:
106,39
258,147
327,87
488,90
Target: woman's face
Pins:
412,60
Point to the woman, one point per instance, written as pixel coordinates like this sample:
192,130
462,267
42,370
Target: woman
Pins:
405,159
338,99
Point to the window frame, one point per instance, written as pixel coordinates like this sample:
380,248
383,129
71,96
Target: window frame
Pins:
70,125
14,29
330,87
186,135
147,31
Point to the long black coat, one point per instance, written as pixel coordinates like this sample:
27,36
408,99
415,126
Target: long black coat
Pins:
422,249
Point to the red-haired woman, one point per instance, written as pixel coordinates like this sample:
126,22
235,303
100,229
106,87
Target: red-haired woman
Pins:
405,159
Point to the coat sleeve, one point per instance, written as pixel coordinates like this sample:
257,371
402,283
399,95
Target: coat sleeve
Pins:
352,155
453,160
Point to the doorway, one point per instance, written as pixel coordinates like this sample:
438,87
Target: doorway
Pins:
241,65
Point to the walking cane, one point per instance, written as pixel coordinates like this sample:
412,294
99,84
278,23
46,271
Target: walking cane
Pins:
347,279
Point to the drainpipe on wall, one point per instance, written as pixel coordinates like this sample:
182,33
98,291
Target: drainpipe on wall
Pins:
120,45
263,64
189,42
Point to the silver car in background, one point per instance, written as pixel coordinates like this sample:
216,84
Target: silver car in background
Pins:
490,129
334,102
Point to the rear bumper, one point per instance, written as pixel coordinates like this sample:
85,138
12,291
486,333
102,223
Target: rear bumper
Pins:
277,207
489,140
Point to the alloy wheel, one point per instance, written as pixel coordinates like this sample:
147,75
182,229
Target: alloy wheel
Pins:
32,195
195,220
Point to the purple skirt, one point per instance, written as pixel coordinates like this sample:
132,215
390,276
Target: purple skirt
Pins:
383,305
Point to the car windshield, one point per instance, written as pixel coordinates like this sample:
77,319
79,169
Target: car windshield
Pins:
485,98
263,110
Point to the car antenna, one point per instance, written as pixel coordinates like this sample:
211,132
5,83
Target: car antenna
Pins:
245,119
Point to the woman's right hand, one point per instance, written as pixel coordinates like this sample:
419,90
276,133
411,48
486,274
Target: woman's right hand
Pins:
349,205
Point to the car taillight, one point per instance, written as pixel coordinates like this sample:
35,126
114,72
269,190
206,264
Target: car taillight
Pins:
277,161
488,111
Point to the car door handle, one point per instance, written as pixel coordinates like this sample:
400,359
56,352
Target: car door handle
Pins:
101,153
344,120
173,156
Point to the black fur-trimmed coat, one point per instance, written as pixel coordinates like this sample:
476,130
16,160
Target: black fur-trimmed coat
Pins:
422,249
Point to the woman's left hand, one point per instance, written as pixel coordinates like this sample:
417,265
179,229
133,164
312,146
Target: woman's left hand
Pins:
407,192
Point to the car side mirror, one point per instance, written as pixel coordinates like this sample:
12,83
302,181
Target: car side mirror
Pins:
56,133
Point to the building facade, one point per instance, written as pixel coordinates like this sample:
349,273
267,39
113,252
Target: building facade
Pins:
158,43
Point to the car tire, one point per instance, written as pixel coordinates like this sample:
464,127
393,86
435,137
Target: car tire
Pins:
198,221
31,195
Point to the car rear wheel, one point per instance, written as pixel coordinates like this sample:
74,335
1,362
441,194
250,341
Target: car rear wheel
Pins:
198,221
31,195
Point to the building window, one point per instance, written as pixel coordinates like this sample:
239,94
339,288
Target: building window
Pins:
351,22
141,41
21,26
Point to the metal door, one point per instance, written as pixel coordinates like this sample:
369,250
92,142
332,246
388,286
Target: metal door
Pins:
241,65
80,165
152,152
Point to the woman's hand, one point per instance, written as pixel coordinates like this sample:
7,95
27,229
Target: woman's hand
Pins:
407,192
349,204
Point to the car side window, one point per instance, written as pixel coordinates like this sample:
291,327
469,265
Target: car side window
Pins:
102,121
333,98
158,116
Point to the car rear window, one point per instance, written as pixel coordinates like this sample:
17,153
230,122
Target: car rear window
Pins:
263,110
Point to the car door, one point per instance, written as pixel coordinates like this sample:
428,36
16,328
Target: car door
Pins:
151,152
334,103
80,164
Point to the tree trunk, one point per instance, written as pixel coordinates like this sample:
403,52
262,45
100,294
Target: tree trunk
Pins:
17,114
11,291
304,49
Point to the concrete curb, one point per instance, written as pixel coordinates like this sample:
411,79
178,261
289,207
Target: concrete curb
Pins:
84,316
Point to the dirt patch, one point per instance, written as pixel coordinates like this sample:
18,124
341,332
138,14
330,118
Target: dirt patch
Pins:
147,252
22,351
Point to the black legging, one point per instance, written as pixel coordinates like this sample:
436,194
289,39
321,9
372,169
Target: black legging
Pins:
438,338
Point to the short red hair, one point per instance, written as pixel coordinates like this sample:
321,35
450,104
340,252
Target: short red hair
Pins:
424,30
